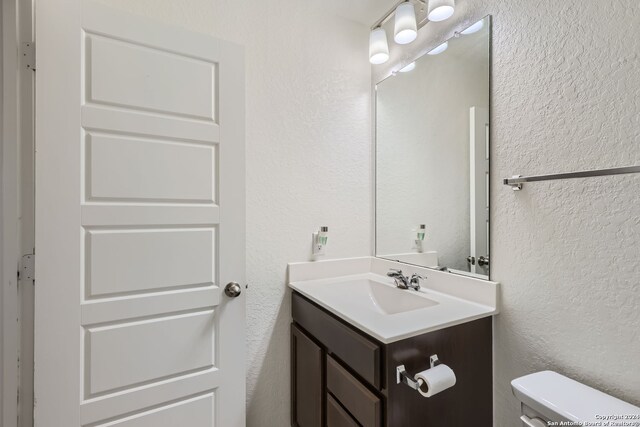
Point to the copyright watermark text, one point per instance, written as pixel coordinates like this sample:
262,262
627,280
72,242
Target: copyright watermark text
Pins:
630,420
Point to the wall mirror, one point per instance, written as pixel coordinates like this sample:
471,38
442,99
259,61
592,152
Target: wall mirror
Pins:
432,157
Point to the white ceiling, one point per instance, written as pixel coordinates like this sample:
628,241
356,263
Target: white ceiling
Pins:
366,12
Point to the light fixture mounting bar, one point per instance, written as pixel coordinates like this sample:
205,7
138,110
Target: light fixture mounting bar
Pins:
387,16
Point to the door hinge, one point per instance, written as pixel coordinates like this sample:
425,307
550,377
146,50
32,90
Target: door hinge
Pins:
27,267
28,54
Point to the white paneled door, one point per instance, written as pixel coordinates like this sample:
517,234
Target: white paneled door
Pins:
139,222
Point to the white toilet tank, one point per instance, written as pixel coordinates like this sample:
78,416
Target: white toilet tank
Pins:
548,398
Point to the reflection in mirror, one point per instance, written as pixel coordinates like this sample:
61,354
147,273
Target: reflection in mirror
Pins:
432,157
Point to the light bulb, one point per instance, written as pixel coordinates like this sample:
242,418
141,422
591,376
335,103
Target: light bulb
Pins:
406,28
407,68
378,47
439,10
439,49
474,28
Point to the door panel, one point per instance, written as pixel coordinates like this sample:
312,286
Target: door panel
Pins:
196,412
130,75
154,167
171,390
149,350
139,222
126,261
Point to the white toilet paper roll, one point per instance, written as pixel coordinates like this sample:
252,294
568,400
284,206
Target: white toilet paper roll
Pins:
434,380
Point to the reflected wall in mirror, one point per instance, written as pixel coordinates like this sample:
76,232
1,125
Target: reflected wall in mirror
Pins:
432,158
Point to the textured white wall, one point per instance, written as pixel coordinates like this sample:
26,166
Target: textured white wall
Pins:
566,96
308,157
422,159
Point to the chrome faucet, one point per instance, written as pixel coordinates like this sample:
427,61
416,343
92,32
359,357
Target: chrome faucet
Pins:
404,282
400,279
414,282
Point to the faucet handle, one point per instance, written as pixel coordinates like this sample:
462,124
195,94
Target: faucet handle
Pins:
415,277
394,273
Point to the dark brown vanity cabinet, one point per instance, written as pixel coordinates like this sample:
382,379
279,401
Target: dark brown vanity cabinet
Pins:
341,377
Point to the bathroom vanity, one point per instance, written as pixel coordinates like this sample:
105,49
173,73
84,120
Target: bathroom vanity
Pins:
351,330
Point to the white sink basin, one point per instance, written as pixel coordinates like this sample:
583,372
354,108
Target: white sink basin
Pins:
372,303
383,298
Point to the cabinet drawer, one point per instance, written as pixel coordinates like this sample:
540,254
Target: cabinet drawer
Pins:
365,406
336,416
360,354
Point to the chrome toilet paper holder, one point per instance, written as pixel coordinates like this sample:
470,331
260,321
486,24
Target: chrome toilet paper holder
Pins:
403,377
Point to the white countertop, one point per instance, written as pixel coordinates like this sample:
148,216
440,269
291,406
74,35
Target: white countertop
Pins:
357,291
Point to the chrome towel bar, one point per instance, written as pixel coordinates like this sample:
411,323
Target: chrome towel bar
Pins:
516,181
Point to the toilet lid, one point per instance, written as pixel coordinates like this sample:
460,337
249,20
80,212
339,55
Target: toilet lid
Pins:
560,398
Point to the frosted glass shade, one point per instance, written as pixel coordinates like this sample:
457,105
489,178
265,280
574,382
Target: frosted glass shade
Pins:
406,27
378,47
439,10
408,68
474,28
439,49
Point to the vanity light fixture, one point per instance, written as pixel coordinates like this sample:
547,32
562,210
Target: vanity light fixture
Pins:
408,67
439,10
439,49
406,27
474,28
378,47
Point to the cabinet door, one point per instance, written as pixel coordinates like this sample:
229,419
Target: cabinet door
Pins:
306,380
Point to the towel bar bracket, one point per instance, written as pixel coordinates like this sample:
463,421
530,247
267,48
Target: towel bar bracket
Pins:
516,186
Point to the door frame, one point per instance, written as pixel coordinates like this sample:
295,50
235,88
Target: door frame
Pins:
17,224
9,249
